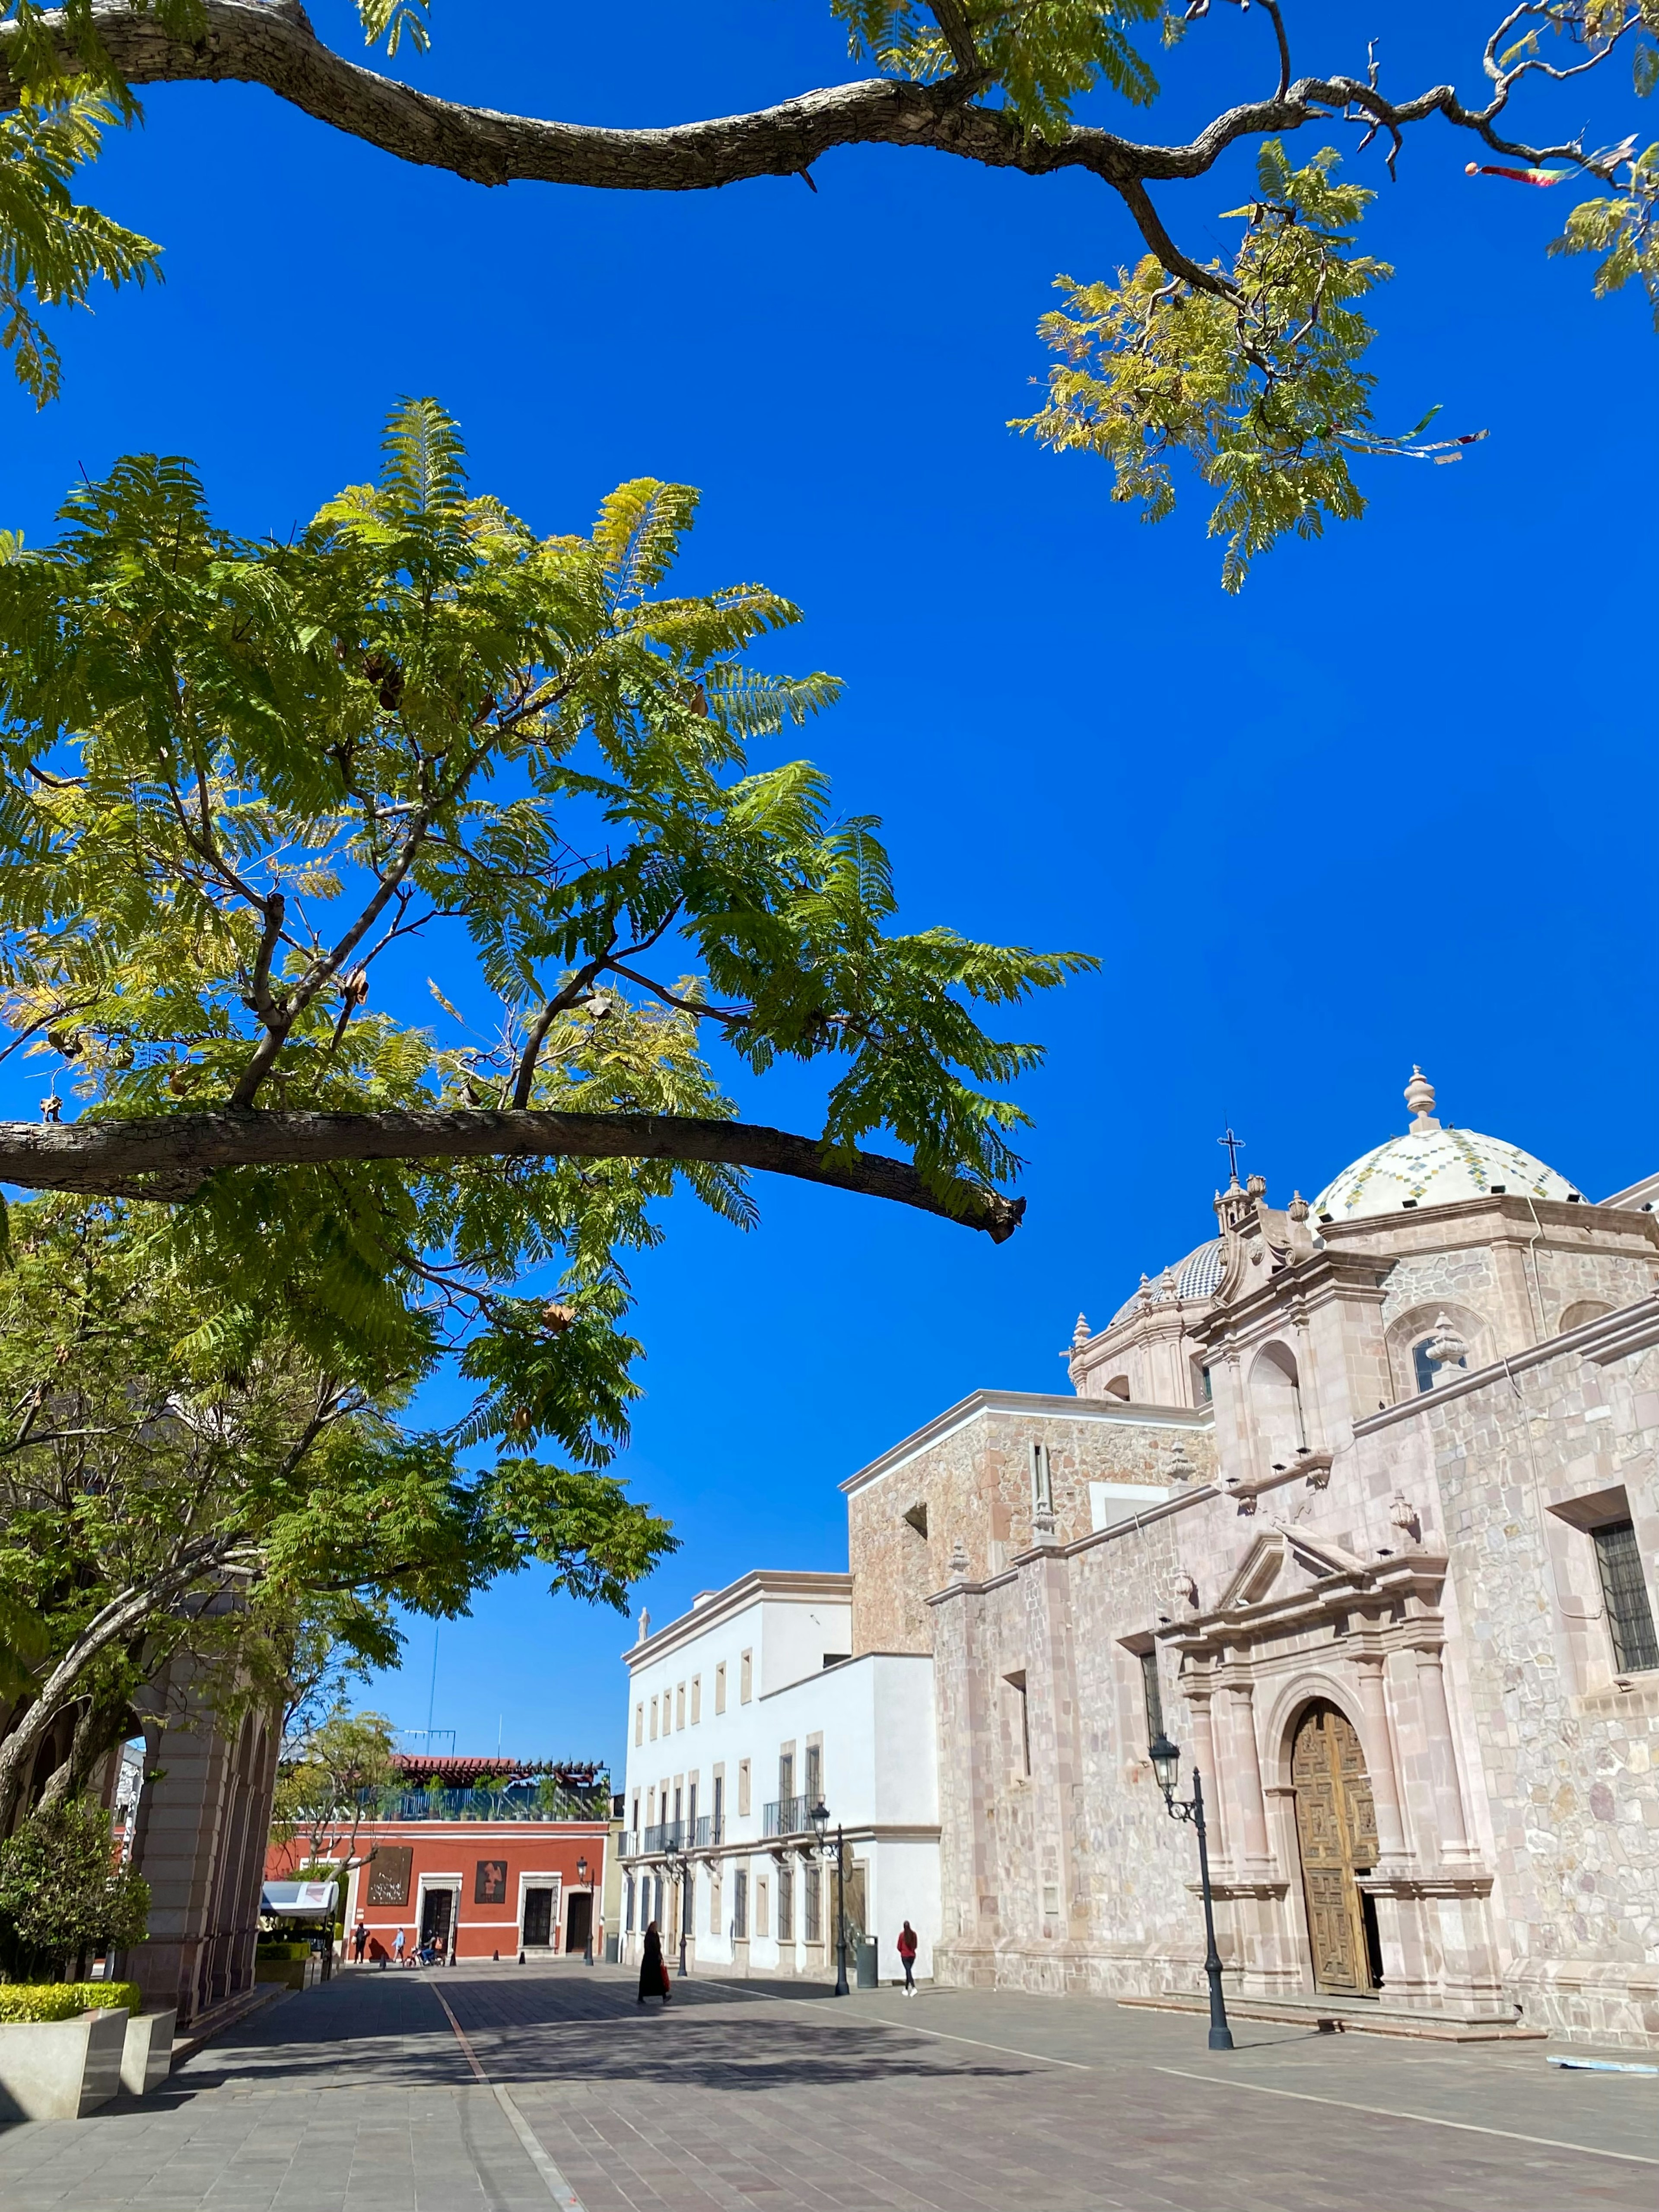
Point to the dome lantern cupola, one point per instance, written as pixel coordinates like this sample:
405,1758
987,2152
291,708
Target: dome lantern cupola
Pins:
1434,1165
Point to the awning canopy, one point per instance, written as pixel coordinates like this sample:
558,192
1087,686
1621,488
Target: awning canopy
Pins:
298,1900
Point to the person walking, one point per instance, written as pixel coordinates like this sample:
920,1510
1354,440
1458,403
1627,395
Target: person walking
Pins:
397,1949
360,1941
653,1970
907,1951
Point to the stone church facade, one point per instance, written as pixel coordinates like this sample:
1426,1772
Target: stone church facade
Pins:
1359,1502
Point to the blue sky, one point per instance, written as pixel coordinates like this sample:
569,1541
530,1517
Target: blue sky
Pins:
1395,802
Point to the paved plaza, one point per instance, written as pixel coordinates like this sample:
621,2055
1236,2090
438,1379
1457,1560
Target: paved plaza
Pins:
517,2087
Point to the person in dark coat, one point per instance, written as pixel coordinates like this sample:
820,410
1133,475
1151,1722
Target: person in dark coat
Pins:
653,1974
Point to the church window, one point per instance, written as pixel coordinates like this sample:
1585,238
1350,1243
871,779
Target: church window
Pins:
745,1677
1119,1388
814,1889
696,1699
786,1904
1021,1721
1624,1592
1152,1692
740,1903
743,1789
720,1687
916,1518
639,1722
1585,1309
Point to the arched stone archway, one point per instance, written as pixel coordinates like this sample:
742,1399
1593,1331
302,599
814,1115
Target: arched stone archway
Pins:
1336,1836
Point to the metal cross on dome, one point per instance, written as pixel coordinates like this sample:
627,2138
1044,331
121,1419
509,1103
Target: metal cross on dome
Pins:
1234,1146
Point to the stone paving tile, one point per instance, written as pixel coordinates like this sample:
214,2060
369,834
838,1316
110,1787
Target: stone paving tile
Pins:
358,2098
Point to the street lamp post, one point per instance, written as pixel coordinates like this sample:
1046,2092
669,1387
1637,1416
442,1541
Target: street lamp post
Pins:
819,1817
584,1876
1166,1765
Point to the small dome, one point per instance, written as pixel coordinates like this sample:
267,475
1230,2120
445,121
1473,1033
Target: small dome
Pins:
1432,1166
1196,1277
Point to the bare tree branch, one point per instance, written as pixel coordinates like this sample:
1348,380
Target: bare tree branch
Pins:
180,1150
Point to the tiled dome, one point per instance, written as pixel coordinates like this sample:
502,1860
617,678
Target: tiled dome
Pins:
1432,1166
1194,1277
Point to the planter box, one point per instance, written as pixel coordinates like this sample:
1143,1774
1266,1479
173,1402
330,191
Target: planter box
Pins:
147,2059
60,2069
290,1974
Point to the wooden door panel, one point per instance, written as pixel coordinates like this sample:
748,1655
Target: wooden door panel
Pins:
1336,1829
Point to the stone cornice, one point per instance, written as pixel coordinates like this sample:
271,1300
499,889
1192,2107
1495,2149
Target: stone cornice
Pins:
785,1585
1418,1574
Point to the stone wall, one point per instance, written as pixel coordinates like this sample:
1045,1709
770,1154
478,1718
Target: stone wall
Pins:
972,1487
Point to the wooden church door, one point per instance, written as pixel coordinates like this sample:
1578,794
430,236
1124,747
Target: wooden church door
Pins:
1336,1828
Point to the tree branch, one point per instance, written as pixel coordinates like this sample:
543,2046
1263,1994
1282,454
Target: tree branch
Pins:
271,43
182,1150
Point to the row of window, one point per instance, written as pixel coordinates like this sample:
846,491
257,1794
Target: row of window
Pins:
670,1709
655,1802
799,1896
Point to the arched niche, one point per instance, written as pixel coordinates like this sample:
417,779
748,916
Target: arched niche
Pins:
1580,1311
1276,1402
1410,1332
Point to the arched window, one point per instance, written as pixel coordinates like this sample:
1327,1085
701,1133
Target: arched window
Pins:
1276,1391
1118,1386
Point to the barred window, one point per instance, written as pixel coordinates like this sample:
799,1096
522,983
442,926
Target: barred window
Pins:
740,1903
1624,1592
1152,1689
814,1886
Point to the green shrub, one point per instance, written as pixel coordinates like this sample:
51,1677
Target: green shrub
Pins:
264,1951
27,2000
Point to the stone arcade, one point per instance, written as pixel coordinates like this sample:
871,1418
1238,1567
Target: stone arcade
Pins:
1358,1500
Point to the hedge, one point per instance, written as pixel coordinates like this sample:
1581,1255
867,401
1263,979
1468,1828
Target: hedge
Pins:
281,1949
27,2001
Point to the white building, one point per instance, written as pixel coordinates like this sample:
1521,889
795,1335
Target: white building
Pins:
744,1715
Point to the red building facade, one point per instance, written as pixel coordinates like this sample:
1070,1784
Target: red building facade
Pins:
479,1871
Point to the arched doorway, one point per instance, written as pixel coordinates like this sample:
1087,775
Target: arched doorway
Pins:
1336,1829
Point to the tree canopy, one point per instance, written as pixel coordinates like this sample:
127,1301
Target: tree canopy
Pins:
185,1474
1248,364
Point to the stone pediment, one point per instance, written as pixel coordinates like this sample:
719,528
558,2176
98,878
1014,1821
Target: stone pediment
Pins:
1283,1562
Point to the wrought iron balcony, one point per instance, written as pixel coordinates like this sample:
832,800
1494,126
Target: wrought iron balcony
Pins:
788,1816
667,1836
710,1833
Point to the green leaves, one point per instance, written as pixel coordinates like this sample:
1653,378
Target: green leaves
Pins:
1041,55
1256,380
390,21
59,1894
52,249
1624,228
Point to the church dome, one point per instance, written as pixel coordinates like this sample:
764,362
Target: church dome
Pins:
1433,1166
1194,1277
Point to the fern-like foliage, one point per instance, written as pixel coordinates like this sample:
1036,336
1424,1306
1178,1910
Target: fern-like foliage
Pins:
389,23
52,249
1257,383
1622,228
1038,56
238,772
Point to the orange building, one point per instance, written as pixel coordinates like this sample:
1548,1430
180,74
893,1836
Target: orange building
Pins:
481,1857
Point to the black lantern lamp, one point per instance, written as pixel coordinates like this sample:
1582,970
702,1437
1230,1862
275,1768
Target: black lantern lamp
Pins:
1166,1765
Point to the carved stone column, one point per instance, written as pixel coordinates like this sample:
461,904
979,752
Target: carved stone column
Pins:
1245,1763
1199,1690
1379,1759
1452,1827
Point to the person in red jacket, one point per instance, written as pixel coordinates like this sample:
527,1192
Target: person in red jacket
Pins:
907,1951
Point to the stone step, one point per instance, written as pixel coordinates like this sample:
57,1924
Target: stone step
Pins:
1361,2015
